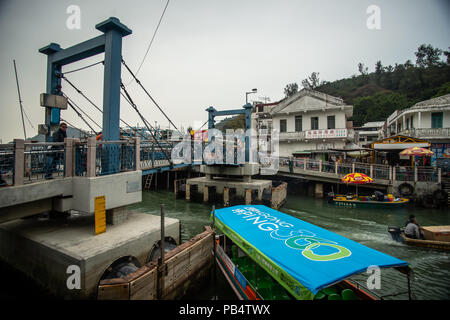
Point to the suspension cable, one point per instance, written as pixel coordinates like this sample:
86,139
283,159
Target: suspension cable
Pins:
81,116
94,105
148,94
145,122
82,68
81,110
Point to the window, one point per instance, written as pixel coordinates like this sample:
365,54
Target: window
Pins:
298,123
314,123
283,125
331,121
436,120
260,108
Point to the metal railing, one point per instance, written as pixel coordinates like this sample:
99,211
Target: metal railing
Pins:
375,171
6,164
114,157
43,161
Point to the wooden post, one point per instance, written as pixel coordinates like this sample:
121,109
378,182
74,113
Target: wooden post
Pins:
161,266
205,194
390,173
336,168
188,192
371,171
353,167
91,155
393,173
19,161
162,235
415,174
320,165
226,196
248,196
439,175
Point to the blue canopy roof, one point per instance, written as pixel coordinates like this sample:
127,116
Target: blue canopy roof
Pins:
313,256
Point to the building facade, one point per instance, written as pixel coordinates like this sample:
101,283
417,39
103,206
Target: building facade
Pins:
428,120
310,123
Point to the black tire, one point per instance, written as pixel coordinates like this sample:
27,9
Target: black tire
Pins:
405,189
440,195
429,201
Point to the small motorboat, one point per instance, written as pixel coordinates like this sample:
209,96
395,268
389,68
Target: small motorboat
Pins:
436,237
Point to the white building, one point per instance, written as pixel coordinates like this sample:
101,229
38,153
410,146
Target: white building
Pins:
369,132
311,123
428,120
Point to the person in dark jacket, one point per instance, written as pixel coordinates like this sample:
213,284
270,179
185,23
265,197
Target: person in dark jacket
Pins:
52,160
412,228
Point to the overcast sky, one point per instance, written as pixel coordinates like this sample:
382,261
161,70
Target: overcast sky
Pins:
207,52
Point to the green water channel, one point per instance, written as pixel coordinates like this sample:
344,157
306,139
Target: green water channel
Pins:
431,278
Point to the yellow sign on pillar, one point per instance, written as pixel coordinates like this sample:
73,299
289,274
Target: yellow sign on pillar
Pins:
100,215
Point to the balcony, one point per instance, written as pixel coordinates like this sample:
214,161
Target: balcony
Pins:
427,133
347,134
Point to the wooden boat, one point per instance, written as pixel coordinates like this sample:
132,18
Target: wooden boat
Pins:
268,255
432,244
435,237
368,202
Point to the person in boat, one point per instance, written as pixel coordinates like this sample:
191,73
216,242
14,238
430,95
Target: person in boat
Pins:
412,229
378,195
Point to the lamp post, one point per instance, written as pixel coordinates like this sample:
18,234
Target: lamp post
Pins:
247,93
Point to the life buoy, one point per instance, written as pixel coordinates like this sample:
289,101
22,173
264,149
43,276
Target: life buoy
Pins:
440,195
428,201
405,189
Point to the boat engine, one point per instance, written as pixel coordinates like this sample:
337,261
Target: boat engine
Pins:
395,233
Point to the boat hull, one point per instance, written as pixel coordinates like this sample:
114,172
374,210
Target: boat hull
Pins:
370,204
431,244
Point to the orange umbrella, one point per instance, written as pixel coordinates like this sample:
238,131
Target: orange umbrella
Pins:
357,178
416,151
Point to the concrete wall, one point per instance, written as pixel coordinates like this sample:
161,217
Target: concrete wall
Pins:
48,247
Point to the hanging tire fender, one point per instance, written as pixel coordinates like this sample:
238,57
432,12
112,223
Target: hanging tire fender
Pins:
405,189
440,195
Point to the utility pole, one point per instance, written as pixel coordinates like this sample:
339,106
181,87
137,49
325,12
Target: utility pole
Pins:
20,100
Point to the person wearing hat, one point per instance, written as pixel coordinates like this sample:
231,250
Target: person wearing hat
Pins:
412,229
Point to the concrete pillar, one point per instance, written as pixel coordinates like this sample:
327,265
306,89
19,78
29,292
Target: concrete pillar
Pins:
91,155
188,192
371,171
205,194
247,179
137,141
353,167
415,174
393,173
19,161
226,196
248,196
336,168
318,192
390,173
70,164
117,215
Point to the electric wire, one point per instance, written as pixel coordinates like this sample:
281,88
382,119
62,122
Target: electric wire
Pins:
151,41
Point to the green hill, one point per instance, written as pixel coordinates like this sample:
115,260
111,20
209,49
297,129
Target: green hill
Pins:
376,95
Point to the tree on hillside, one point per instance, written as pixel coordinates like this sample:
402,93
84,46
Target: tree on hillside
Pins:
427,56
312,82
362,69
290,89
447,54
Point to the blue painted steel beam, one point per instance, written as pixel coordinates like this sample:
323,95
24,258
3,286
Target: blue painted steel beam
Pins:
110,43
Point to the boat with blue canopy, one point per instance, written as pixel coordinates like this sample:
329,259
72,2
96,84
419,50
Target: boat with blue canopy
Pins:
267,254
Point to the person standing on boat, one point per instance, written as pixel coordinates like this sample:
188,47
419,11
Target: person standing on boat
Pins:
52,160
412,228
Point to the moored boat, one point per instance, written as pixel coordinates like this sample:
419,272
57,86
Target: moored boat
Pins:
368,202
266,254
